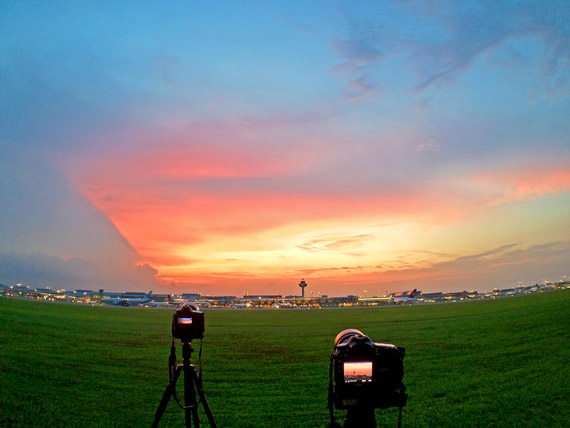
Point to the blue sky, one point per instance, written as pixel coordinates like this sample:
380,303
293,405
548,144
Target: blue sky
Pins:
225,147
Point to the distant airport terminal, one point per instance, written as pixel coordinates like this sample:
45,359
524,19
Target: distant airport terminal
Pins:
150,300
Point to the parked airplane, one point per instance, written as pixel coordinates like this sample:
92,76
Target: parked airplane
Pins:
242,305
170,303
111,300
127,301
155,304
404,296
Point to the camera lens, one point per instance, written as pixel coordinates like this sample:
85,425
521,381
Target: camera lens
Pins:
345,335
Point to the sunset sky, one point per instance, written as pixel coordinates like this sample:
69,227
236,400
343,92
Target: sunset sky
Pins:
232,147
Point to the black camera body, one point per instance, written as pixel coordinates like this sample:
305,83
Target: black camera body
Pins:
188,323
367,374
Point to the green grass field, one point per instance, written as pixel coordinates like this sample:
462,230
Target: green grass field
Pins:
502,363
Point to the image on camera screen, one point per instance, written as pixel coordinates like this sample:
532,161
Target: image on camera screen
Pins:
360,371
184,320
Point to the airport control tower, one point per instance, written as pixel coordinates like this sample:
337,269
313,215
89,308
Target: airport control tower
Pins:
302,284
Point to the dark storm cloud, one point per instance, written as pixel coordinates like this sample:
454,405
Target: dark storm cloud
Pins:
49,234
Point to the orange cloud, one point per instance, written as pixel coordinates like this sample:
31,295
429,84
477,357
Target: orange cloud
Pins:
230,208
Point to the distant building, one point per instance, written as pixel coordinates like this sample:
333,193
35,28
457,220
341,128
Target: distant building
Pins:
432,296
191,296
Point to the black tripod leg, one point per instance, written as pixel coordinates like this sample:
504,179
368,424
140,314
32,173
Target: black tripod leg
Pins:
195,416
191,408
164,401
203,399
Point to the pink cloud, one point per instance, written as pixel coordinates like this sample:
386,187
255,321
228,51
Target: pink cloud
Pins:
167,190
522,182
536,184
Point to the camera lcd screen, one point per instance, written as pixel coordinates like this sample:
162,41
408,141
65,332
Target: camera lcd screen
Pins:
359,371
185,321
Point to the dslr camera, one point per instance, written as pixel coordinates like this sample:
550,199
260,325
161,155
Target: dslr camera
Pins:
188,323
366,374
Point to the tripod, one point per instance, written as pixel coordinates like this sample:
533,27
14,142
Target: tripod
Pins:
356,417
192,383
360,418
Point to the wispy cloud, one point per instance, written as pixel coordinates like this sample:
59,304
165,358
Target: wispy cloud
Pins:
428,146
336,243
471,32
359,53
499,267
496,267
518,182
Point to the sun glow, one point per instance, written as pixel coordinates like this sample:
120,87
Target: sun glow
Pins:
324,252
